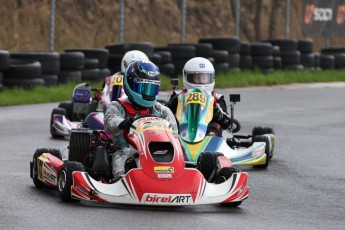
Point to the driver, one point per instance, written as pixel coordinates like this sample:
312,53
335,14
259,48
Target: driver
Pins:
199,72
141,85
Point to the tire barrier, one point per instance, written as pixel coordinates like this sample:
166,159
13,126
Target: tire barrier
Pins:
180,54
50,64
232,45
262,56
4,58
27,69
246,61
23,73
164,63
71,64
96,63
338,53
117,50
305,47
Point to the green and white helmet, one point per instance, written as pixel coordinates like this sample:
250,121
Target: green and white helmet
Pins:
199,72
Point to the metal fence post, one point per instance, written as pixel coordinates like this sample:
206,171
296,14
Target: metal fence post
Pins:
238,18
287,19
184,20
52,25
122,21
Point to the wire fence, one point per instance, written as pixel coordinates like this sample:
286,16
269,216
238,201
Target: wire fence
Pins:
50,25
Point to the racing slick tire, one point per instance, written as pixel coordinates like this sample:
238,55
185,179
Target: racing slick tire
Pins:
222,176
68,106
236,126
59,111
33,164
257,131
65,179
207,165
262,138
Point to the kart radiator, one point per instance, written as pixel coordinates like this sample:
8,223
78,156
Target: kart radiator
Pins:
79,146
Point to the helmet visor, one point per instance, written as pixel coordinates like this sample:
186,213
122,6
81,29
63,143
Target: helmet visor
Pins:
200,78
145,87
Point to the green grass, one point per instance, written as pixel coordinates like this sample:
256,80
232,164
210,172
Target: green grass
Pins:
20,96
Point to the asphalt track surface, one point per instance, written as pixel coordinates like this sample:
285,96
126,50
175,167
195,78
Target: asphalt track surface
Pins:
303,187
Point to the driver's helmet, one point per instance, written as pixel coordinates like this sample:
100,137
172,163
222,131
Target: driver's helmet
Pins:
132,56
199,72
141,83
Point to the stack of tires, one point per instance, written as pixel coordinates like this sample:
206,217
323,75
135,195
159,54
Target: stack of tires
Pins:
163,60
71,65
262,54
23,73
277,61
339,57
49,61
225,50
289,53
307,54
246,60
95,64
117,50
180,54
4,63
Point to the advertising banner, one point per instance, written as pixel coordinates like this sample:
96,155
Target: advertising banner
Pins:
323,18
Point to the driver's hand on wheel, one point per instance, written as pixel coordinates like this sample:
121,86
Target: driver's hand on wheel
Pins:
126,123
225,121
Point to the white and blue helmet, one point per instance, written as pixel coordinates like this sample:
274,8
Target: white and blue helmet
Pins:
142,82
199,72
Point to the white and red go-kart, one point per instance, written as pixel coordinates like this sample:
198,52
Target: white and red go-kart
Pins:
157,176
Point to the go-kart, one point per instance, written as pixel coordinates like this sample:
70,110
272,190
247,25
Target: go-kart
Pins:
194,113
156,175
85,110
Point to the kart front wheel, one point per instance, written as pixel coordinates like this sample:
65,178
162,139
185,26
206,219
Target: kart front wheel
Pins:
232,204
236,126
226,173
265,139
222,176
34,166
65,179
258,131
207,164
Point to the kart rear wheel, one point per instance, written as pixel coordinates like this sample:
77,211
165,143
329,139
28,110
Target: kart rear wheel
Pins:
65,179
207,164
265,139
68,107
58,111
258,130
33,168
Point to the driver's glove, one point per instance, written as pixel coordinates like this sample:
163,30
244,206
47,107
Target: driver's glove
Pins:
126,123
225,121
